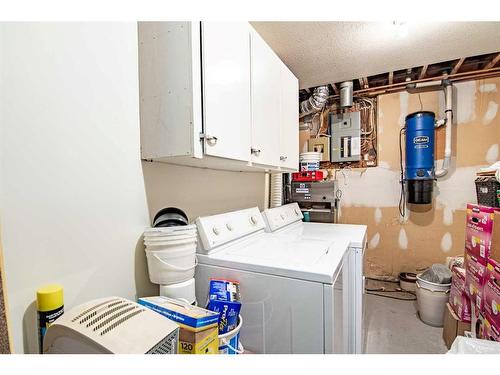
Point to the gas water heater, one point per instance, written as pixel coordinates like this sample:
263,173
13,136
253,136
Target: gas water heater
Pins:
419,128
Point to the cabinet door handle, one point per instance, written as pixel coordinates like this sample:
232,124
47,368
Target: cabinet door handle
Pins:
283,158
255,151
211,140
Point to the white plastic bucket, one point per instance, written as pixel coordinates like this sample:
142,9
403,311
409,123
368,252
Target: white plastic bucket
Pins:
309,161
173,266
169,244
229,343
166,231
431,304
433,286
184,291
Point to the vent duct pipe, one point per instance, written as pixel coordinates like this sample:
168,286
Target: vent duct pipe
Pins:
316,102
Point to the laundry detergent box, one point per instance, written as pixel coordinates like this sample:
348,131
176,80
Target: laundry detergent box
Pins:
198,327
479,230
475,278
492,292
491,331
460,303
224,298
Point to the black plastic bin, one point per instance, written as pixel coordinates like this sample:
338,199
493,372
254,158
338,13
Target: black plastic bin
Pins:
486,191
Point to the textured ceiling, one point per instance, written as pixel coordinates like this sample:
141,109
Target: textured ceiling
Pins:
326,52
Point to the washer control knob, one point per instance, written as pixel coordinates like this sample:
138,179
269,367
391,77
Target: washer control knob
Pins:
229,227
282,216
253,220
296,212
216,231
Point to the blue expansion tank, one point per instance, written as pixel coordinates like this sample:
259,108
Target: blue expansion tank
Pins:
420,156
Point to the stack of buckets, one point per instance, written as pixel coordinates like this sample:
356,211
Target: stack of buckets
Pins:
171,257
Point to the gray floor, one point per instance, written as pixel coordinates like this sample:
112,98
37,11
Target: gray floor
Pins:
393,327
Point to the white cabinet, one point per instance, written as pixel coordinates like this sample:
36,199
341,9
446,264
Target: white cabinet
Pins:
210,93
289,134
226,89
266,98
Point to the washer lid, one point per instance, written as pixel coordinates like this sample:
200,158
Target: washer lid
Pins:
311,259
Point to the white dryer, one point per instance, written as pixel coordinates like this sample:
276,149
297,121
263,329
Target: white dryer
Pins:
286,221
293,295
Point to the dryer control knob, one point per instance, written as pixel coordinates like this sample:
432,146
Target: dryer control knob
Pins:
253,220
229,227
216,231
282,216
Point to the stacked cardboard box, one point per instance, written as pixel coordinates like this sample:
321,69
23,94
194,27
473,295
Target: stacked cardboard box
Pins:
482,250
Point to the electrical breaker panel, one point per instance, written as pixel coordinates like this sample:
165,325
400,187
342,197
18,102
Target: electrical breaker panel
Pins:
345,132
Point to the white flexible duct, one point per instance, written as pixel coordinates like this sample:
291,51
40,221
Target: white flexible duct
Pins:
315,102
448,99
276,190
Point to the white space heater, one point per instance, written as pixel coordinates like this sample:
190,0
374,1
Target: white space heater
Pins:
111,325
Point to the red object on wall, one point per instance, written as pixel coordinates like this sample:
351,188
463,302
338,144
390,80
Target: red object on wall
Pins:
307,176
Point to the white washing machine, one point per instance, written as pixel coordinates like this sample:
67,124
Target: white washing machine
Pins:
292,290
286,221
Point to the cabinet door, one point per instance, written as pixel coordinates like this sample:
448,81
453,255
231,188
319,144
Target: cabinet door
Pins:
289,131
266,97
226,89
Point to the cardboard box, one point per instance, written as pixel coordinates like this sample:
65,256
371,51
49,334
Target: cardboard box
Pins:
479,231
491,330
460,304
452,326
492,292
198,332
495,237
458,277
475,278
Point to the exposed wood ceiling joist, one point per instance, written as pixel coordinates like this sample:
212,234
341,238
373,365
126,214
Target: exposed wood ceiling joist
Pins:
493,62
423,72
335,88
457,66
391,77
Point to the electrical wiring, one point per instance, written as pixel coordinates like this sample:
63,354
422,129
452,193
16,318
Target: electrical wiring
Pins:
413,298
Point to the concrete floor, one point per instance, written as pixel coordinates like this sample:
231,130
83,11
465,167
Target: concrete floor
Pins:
393,327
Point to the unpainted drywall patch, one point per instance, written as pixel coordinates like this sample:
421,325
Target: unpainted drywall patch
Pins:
488,87
455,192
491,113
403,107
447,216
403,239
378,215
466,101
446,242
375,187
492,154
375,240
384,164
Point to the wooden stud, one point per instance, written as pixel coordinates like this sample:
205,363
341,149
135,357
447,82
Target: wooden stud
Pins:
363,82
391,77
493,62
458,65
335,88
423,72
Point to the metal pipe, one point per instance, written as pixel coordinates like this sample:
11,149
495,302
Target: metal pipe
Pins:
448,99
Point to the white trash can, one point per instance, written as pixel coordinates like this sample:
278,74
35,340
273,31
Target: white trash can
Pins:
431,301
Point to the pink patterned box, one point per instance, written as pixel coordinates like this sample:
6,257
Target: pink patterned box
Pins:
492,292
475,278
478,230
490,330
460,303
458,277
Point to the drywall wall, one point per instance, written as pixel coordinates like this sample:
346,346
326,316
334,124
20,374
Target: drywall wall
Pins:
74,195
429,233
201,191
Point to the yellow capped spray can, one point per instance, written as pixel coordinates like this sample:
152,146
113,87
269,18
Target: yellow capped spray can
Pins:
50,306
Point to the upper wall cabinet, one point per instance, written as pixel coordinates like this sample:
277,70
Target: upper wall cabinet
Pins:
214,95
